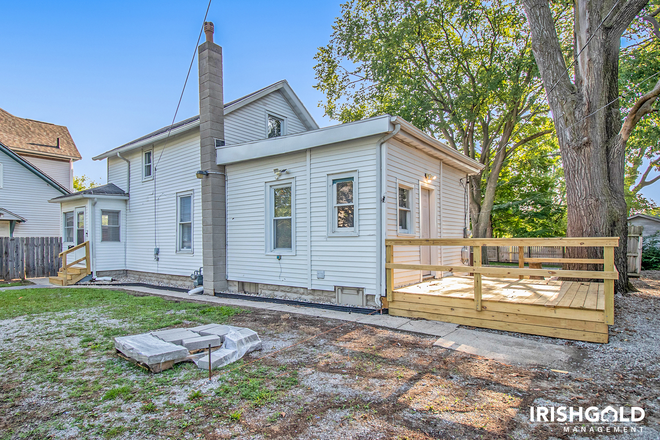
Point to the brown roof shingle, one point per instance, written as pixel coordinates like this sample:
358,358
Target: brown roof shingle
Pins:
27,136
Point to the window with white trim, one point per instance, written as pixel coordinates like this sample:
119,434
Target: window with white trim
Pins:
342,204
404,210
184,217
275,126
281,237
109,225
147,164
68,227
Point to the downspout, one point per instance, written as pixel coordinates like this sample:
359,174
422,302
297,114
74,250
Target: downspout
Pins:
381,211
92,242
128,173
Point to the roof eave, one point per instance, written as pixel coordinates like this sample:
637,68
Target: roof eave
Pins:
68,198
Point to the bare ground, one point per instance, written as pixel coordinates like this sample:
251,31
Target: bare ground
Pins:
349,381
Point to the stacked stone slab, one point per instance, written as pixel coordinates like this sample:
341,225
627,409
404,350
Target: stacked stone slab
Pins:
160,350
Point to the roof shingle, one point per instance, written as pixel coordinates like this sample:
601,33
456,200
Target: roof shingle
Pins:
26,136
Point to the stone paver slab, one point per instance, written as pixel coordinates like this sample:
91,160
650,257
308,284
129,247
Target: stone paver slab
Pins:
175,336
201,342
149,350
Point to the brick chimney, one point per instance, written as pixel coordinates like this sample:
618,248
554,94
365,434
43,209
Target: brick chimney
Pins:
212,128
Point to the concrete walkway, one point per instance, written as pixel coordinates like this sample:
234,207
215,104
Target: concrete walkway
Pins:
505,349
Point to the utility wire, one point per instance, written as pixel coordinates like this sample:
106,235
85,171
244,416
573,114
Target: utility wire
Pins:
169,130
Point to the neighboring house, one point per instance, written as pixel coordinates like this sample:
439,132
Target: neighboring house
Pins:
48,147
303,211
650,223
24,194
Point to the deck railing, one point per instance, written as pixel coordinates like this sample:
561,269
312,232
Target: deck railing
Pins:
66,266
608,274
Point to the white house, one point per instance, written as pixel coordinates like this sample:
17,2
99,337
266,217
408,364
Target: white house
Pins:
279,206
24,194
36,164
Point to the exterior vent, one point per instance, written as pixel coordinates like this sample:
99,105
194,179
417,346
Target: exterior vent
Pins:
352,296
219,143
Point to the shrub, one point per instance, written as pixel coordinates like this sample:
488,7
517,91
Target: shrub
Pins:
651,252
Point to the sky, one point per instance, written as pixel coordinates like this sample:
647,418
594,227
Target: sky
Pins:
113,71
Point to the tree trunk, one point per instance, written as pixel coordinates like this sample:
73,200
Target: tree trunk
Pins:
587,123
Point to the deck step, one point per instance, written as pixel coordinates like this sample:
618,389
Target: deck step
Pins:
56,280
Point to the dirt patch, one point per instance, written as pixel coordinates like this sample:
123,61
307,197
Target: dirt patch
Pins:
353,381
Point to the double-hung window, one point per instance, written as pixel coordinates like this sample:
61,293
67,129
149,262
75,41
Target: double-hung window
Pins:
68,227
184,217
342,198
275,126
147,164
281,210
109,225
404,210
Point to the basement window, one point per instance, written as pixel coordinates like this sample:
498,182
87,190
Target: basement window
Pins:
147,165
184,222
109,225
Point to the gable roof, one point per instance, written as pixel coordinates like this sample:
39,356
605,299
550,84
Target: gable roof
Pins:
109,190
26,136
648,217
188,124
43,176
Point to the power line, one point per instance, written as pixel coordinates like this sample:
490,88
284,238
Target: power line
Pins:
583,47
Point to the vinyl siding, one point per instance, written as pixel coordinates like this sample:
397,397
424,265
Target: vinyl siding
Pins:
59,170
347,261
108,255
26,194
406,166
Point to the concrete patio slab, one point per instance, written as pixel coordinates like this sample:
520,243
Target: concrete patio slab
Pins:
175,336
507,349
219,359
434,328
150,350
202,342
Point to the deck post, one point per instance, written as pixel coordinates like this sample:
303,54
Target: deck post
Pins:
521,260
477,277
389,273
64,269
609,285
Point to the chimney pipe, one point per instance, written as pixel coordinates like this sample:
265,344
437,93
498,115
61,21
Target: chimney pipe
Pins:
208,30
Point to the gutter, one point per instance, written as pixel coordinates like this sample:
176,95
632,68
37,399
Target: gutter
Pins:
381,206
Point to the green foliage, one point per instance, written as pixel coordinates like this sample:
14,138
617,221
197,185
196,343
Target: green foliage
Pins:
530,194
461,71
639,65
651,252
81,183
123,392
256,385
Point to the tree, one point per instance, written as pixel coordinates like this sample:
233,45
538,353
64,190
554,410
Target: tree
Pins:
461,71
530,198
640,61
586,113
81,183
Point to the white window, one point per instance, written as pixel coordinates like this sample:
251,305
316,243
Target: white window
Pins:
275,126
342,204
109,225
280,237
184,222
147,164
404,212
68,227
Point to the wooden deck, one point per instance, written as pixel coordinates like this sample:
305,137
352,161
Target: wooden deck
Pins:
570,310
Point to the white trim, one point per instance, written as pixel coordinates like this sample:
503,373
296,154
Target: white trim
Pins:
331,206
179,195
433,214
411,218
309,217
1,176
151,165
73,226
283,128
118,212
268,217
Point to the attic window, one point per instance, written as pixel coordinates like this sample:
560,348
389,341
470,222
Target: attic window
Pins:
275,126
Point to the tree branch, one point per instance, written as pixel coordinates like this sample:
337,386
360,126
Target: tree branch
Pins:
526,140
641,108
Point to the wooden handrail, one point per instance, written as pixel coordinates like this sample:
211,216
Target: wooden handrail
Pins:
75,248
608,274
560,241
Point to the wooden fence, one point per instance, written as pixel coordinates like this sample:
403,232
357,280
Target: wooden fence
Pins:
635,250
29,257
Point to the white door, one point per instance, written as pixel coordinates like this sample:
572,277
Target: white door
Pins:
79,234
426,219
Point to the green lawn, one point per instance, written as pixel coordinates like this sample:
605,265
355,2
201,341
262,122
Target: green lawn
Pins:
14,283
